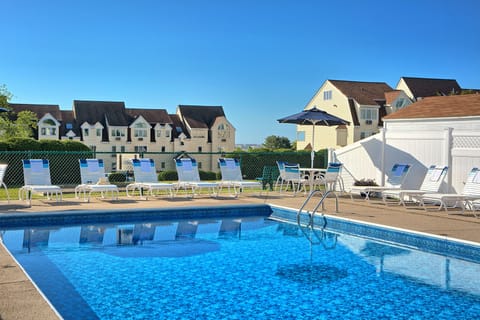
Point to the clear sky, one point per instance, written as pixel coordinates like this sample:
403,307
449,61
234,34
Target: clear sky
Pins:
259,59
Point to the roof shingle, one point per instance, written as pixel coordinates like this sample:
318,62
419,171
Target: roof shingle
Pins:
440,107
366,93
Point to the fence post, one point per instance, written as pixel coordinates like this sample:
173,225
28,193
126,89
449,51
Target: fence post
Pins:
447,155
382,156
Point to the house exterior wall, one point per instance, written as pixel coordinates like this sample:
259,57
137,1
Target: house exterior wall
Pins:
326,137
401,85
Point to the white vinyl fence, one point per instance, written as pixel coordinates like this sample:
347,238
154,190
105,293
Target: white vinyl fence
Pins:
373,157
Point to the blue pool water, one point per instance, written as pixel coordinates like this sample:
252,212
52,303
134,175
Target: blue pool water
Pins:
238,267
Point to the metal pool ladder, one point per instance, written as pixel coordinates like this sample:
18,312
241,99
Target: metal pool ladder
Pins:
314,235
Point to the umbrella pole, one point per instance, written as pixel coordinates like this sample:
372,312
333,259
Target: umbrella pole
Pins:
312,155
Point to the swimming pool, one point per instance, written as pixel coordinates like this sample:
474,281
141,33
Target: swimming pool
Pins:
236,263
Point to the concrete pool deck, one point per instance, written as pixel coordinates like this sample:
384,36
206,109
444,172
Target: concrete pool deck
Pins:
21,300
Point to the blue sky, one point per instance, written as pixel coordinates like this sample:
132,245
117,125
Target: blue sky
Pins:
260,60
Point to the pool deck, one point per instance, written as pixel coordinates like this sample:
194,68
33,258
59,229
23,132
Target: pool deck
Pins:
21,300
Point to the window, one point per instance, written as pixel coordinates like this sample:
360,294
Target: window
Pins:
118,133
167,133
199,165
114,148
140,130
159,133
140,149
369,114
85,132
99,132
122,149
327,95
223,132
300,135
43,131
162,165
52,131
48,122
199,149
163,148
400,103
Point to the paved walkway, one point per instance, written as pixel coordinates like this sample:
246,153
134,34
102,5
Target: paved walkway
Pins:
21,300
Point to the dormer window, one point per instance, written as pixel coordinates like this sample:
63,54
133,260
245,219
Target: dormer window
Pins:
369,114
140,130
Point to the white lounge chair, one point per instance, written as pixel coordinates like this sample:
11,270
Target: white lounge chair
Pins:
395,179
470,193
431,184
93,179
3,169
145,176
36,175
189,178
232,176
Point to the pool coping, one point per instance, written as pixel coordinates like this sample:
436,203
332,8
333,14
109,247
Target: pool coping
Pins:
442,245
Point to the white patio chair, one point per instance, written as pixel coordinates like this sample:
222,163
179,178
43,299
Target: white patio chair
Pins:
93,179
36,175
3,170
189,177
331,178
146,179
232,176
281,177
396,177
431,184
293,177
469,195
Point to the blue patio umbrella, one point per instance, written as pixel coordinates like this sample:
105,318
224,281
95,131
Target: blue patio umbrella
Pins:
314,117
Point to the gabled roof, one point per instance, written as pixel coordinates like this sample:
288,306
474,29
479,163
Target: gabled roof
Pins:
153,116
200,116
365,93
98,111
391,96
67,117
440,107
39,109
177,123
428,87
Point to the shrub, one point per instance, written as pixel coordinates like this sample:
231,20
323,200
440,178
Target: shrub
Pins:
207,175
117,177
168,176
365,182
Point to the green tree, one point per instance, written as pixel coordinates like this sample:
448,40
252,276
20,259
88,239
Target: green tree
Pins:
277,142
22,126
5,96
